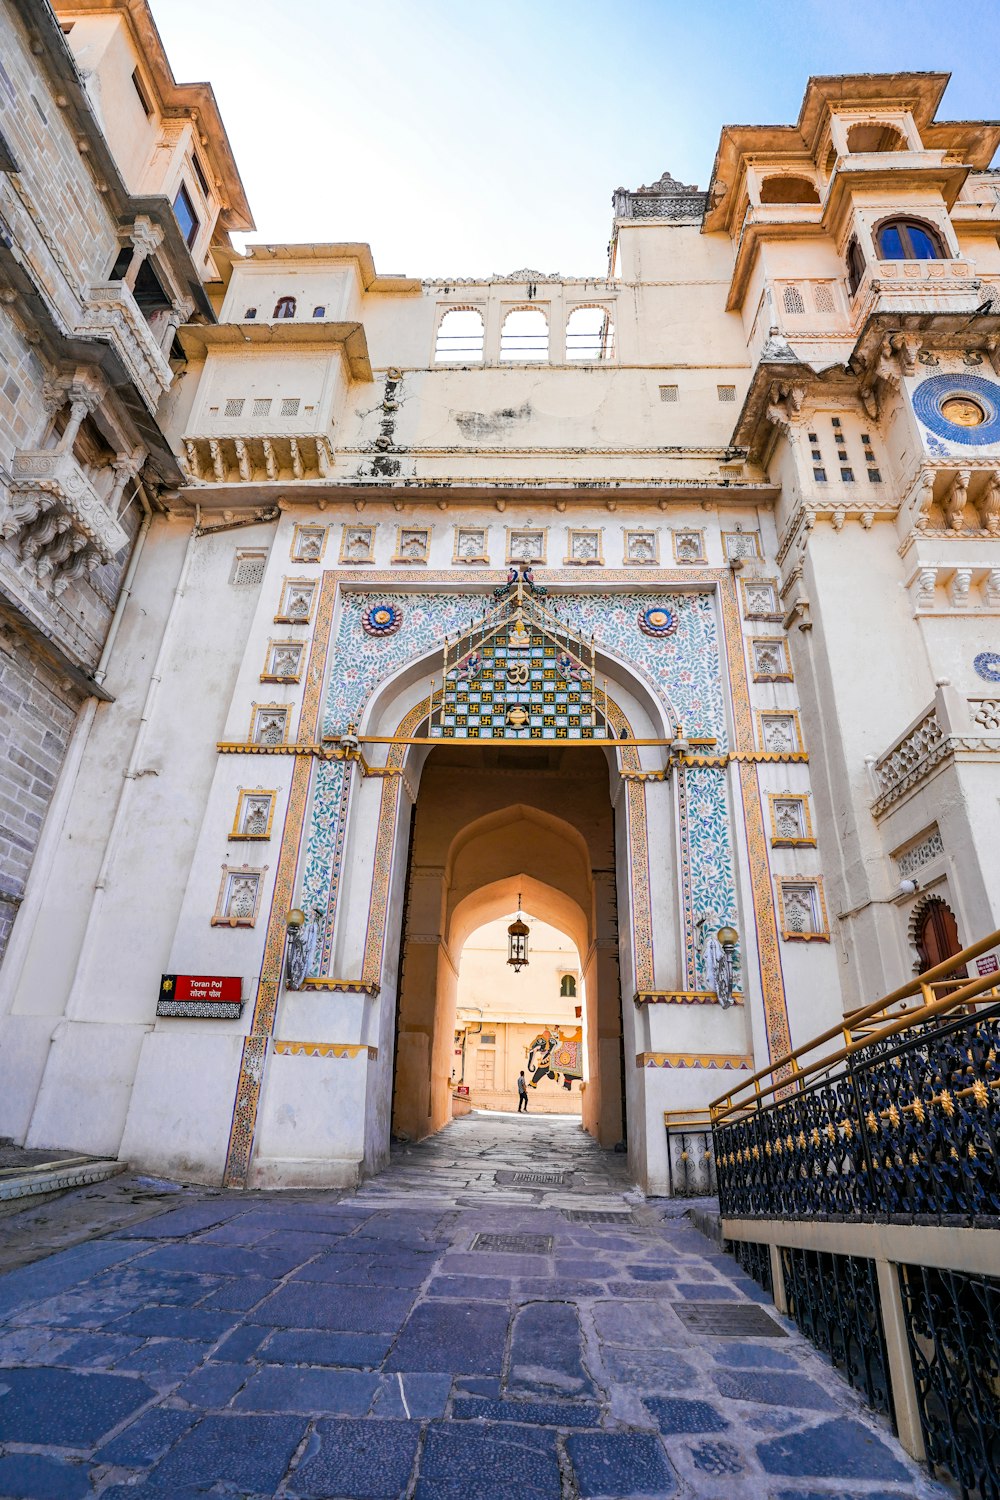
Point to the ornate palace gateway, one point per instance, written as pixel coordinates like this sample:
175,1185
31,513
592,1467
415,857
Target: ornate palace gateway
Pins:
659,604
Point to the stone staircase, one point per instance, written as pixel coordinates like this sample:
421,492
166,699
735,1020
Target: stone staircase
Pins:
30,1177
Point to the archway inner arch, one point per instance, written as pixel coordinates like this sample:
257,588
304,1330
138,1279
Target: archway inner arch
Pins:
537,825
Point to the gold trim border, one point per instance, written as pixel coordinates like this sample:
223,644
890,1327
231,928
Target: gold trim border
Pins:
729,1061
323,1049
681,997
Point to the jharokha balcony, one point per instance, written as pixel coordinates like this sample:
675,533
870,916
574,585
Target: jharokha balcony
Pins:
111,313
56,521
258,459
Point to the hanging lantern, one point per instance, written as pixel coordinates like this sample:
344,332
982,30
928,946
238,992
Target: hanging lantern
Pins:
517,942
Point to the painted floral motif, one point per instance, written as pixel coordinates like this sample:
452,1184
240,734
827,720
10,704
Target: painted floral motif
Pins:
321,877
658,621
709,886
987,666
382,619
681,669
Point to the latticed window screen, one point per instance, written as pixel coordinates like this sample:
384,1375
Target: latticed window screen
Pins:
290,406
234,406
249,568
262,406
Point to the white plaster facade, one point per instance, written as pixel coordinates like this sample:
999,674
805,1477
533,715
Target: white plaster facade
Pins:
844,604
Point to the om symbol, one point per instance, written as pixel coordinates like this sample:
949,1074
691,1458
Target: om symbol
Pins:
517,673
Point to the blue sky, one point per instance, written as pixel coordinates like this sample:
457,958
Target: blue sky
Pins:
465,137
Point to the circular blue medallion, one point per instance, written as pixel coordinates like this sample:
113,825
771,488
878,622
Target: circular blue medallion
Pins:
987,665
658,620
962,408
382,619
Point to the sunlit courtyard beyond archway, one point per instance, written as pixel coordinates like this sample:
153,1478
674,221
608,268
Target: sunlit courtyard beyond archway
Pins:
529,1022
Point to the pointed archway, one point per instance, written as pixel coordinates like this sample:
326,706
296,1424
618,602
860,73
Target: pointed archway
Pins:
486,832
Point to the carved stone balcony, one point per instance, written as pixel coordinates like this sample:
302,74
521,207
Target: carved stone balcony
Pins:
56,521
112,313
258,459
944,286
952,728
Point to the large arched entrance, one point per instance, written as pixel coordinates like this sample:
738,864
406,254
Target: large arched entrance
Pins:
495,825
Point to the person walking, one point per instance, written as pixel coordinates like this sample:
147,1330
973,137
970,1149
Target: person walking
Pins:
522,1093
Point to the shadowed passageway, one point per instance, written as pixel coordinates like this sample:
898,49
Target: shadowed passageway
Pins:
495,1316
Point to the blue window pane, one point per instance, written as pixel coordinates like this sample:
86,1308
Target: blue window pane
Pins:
923,247
185,215
891,243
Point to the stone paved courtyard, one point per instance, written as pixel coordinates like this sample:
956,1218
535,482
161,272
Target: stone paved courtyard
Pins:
382,1344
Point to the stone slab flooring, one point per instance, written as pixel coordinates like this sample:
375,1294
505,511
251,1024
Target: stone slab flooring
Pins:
435,1335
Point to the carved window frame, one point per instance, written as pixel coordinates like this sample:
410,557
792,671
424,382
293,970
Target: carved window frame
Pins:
814,885
413,562
274,646
763,714
779,841
482,559
299,534
689,562
784,674
634,534
741,536
596,532
255,793
230,874
756,583
347,529
256,709
288,586
542,532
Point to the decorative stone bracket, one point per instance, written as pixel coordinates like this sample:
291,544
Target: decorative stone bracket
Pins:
56,521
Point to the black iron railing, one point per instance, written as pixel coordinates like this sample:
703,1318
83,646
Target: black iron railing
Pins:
690,1155
902,1123
953,1330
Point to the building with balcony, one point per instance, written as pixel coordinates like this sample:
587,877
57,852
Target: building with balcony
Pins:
98,269
654,602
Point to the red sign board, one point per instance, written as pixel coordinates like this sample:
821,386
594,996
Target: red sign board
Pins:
988,964
462,1088
201,987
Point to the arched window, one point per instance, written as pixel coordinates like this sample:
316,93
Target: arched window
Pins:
460,337
567,987
788,190
319,312
935,934
794,300
908,239
284,307
855,266
250,313
873,135
525,335
590,334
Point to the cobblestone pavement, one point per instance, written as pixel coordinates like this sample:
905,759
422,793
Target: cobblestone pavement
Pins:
437,1334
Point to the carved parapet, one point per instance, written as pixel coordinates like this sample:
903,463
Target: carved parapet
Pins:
909,760
111,312
55,519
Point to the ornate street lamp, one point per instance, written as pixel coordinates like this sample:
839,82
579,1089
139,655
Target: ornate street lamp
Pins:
517,941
